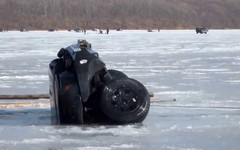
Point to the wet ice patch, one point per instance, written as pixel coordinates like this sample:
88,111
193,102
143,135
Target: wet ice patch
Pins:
178,148
189,127
26,77
110,147
133,130
178,93
37,141
232,81
5,86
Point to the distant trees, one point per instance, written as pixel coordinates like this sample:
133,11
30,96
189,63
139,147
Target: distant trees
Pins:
131,14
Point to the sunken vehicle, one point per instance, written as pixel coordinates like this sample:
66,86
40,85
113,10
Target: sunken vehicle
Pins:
82,90
201,30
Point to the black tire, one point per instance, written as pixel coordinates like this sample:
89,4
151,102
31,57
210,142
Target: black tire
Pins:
68,106
55,106
56,67
117,74
125,101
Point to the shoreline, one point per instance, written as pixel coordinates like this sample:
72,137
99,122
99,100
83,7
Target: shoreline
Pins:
72,30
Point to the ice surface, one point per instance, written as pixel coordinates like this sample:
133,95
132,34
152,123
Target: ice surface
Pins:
200,71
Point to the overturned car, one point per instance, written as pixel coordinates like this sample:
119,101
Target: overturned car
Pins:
82,90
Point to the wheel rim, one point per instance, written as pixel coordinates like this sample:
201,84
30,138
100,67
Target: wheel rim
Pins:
124,100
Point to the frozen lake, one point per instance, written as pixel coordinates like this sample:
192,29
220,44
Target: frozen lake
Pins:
201,71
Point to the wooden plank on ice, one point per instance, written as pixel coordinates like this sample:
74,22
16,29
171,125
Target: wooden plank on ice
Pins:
163,100
19,104
36,96
24,104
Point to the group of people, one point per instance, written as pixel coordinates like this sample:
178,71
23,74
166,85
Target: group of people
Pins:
85,31
101,31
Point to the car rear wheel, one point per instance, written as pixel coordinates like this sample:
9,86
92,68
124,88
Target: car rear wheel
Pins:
125,101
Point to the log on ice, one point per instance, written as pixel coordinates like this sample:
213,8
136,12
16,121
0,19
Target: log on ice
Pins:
36,96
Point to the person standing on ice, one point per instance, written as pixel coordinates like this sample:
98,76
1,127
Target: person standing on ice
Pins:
107,30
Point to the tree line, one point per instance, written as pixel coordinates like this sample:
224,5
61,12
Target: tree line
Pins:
126,14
